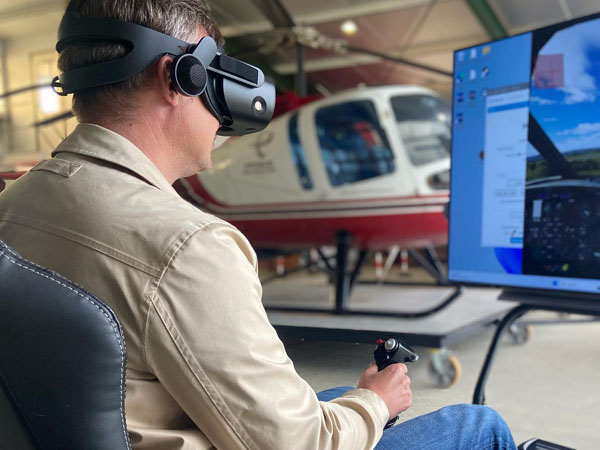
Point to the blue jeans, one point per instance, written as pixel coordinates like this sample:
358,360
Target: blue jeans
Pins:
459,427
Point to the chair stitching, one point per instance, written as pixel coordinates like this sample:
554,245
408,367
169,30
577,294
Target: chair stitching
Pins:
115,329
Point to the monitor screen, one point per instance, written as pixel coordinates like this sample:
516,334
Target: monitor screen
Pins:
525,179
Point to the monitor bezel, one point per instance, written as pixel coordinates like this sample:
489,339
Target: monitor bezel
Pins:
534,291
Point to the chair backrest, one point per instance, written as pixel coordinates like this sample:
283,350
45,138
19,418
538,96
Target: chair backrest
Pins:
62,363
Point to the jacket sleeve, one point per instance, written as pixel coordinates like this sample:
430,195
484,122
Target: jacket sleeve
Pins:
210,344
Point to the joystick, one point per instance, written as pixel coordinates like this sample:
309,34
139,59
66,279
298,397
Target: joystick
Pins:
392,351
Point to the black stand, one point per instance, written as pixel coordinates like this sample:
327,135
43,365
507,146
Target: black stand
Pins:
344,282
567,303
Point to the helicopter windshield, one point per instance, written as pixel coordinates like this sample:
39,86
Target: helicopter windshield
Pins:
354,146
423,122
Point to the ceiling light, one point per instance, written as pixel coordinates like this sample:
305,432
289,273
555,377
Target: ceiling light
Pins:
349,28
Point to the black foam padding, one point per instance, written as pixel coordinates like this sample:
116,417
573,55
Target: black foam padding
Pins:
191,75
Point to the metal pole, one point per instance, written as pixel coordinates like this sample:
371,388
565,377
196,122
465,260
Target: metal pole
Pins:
342,281
301,75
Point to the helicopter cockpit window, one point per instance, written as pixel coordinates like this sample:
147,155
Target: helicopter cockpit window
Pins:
354,147
562,178
298,154
423,122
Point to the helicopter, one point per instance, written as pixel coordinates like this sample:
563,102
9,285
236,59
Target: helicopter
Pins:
366,168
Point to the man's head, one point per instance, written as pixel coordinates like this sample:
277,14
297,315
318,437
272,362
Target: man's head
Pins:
183,19
175,131
151,71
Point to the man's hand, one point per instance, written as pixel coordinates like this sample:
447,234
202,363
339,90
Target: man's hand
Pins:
392,384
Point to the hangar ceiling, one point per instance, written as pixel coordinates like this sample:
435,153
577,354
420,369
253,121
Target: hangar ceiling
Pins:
25,17
422,31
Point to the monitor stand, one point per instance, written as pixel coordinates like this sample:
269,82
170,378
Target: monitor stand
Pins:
561,301
529,300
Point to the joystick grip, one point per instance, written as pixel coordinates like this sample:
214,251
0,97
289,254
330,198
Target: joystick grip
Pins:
392,351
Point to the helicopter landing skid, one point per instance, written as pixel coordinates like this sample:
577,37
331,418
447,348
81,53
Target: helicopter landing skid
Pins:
344,281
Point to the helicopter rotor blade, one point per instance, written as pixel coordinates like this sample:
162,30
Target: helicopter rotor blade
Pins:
56,118
399,60
278,15
24,89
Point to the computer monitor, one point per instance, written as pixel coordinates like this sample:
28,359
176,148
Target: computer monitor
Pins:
525,178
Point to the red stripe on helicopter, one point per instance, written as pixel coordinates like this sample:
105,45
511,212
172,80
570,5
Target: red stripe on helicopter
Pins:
369,232
203,197
11,175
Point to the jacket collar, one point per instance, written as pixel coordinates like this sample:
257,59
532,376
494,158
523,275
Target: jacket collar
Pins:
100,143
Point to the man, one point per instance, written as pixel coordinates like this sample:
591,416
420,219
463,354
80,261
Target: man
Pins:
205,368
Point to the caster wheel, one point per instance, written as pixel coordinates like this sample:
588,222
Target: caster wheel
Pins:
519,333
444,369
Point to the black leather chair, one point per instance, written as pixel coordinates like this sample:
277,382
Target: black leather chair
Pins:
62,363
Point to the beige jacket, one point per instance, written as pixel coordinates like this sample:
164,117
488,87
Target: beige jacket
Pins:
205,368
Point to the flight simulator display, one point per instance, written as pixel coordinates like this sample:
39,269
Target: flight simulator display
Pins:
525,179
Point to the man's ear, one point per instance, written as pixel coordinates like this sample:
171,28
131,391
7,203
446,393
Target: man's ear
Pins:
165,85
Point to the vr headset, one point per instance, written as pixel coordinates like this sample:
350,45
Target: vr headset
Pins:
235,92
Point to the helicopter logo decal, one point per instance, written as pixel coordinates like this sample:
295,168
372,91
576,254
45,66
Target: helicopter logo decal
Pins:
261,142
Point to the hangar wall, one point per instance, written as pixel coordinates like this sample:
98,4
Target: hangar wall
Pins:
25,56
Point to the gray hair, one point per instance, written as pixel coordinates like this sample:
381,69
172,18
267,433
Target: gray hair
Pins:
178,18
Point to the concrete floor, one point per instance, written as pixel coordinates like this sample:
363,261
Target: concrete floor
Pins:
548,387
